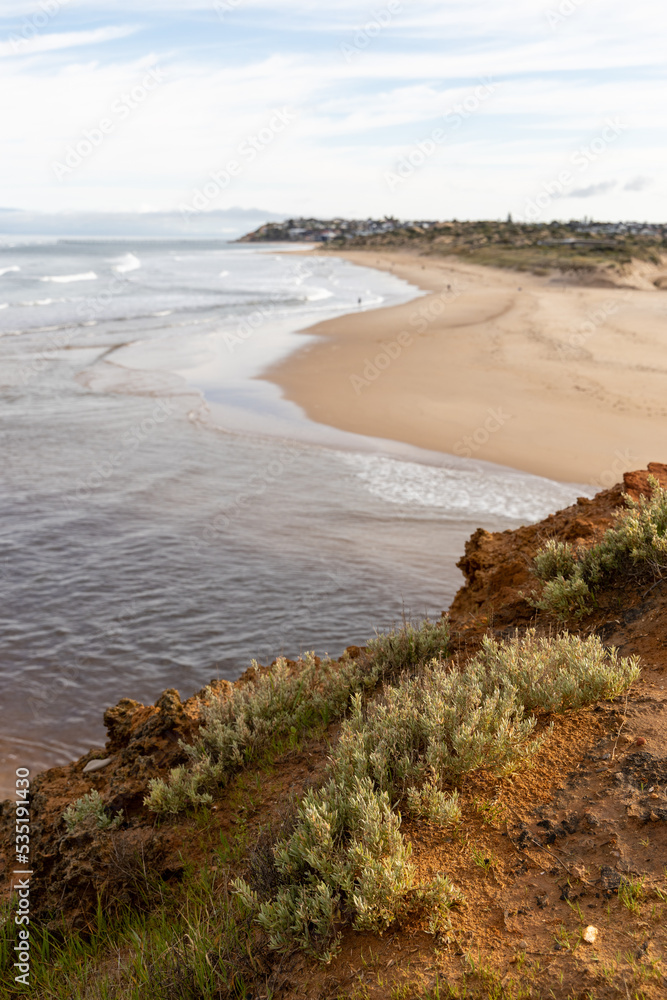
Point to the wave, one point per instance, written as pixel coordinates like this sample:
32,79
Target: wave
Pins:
223,274
41,302
163,312
317,294
3,305
371,299
128,262
471,492
64,279
7,270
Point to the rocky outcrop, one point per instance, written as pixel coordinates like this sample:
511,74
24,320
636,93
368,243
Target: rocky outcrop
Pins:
72,870
497,566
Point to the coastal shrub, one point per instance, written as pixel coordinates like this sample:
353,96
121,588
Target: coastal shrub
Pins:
90,808
406,649
185,788
244,722
445,723
346,856
286,700
565,598
431,803
555,674
636,544
555,559
346,851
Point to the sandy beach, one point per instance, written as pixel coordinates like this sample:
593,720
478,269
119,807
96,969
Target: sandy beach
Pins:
532,372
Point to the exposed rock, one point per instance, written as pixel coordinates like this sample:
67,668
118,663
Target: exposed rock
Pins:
497,565
118,721
610,879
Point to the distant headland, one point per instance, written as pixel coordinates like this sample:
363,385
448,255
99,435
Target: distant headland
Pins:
519,245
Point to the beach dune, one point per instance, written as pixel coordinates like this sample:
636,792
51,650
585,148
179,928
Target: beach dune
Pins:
538,373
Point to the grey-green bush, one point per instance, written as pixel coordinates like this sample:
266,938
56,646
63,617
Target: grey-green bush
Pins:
555,559
555,675
346,849
90,809
285,700
636,544
346,854
406,649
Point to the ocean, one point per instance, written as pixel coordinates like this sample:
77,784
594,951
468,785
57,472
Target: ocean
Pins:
166,516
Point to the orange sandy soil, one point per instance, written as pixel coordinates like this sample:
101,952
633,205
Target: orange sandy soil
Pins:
560,376
539,856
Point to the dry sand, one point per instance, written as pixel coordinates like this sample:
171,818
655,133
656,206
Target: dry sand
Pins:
535,373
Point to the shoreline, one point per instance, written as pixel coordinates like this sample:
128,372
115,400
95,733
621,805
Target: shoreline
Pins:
525,371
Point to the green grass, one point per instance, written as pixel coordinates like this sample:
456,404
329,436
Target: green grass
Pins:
631,893
196,944
482,860
636,546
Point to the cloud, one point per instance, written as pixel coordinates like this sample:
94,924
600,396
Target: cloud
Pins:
19,45
638,184
593,190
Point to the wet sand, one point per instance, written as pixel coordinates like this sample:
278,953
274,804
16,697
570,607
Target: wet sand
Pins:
536,373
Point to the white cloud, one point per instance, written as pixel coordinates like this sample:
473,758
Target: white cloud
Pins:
20,45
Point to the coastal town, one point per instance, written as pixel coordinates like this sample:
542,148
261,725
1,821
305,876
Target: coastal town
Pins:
309,230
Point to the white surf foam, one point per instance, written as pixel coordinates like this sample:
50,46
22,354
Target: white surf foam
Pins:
63,279
474,492
128,262
8,270
317,294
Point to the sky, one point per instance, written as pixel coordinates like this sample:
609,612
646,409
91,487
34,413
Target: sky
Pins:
255,109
